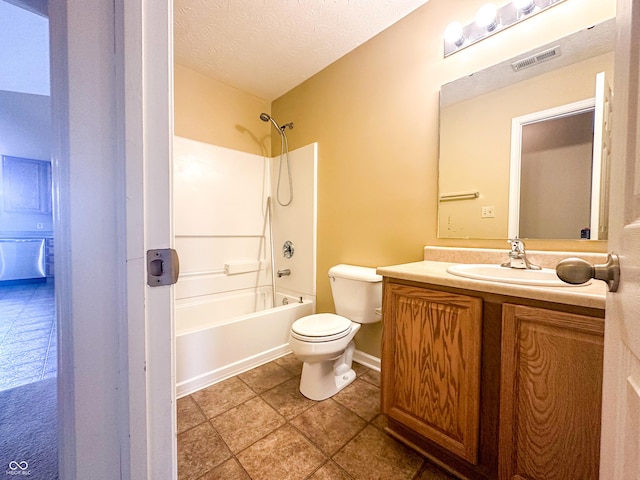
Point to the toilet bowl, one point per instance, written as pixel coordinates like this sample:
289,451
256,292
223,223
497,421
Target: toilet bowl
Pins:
324,341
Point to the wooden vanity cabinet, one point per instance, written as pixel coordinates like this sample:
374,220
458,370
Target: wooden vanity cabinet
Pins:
550,394
490,386
431,352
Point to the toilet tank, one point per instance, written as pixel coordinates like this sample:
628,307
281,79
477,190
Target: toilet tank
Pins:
357,292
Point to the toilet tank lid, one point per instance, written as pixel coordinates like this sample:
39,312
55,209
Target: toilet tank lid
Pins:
354,272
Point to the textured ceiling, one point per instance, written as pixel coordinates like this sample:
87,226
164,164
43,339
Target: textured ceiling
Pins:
267,47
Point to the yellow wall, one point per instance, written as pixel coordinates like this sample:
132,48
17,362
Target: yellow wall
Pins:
374,114
212,112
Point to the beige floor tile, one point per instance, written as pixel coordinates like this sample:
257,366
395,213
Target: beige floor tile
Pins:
199,450
222,396
287,399
243,425
278,434
372,377
329,425
229,470
330,471
291,363
372,455
266,376
189,415
283,455
362,398
431,472
380,422
359,369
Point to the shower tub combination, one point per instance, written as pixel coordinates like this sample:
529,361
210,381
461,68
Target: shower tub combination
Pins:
224,320
212,345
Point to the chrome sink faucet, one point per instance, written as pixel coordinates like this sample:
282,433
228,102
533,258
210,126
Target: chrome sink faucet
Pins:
518,256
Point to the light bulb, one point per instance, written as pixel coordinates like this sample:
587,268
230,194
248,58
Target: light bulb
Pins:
487,17
453,34
524,6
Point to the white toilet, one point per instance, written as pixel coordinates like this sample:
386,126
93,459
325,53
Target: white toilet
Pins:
324,341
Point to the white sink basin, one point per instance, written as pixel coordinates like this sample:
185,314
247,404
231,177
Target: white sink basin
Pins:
495,273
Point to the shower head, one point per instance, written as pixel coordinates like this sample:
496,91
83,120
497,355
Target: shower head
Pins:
267,118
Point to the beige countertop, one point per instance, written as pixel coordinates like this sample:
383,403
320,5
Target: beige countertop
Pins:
435,273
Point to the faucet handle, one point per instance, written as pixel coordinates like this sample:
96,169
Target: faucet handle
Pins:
517,245
518,257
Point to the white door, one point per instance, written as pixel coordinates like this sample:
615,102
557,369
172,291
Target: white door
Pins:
620,445
112,162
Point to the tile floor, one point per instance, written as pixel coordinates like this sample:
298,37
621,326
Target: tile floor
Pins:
27,333
258,426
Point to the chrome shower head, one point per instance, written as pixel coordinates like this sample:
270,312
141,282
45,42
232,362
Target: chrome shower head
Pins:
267,118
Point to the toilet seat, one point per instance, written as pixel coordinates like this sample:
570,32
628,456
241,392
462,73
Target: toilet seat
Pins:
321,327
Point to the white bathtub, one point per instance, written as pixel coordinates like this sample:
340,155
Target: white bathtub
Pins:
215,348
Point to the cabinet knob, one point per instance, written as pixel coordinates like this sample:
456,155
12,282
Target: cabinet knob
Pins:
577,271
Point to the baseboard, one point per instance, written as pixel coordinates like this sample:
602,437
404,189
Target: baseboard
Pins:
367,360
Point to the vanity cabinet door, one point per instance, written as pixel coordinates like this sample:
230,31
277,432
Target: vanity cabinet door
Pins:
550,394
431,365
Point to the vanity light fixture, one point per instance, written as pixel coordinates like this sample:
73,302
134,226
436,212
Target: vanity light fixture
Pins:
487,17
490,20
525,7
453,34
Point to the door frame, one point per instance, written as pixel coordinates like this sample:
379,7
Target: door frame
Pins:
111,73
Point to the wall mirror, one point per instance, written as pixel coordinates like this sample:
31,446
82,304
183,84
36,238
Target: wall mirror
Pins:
495,136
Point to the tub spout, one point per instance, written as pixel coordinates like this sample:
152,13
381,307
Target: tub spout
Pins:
284,273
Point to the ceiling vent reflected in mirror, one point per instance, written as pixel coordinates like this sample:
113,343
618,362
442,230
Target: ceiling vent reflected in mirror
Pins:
536,59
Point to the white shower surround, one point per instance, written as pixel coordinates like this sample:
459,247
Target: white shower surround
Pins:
297,221
219,219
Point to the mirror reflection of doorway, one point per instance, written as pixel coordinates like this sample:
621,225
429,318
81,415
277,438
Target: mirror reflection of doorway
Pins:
559,170
556,170
28,331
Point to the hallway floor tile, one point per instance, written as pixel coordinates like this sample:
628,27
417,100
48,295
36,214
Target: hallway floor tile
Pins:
28,340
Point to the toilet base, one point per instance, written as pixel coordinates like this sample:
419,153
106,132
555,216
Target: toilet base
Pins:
321,380
327,385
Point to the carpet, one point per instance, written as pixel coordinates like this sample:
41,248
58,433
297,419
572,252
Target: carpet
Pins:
28,431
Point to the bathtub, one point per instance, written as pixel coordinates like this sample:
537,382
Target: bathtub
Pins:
214,348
